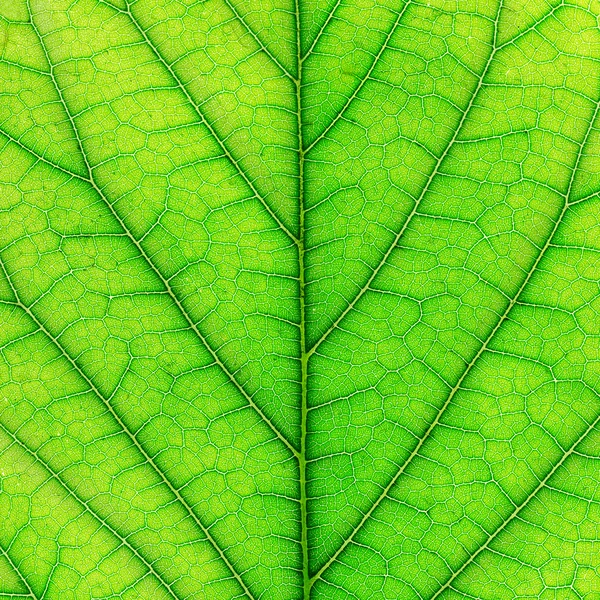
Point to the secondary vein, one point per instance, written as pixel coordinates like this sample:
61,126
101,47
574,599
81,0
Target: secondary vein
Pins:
6,555
177,494
174,297
514,301
418,201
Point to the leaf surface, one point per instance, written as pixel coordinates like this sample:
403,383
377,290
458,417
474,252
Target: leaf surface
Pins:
299,300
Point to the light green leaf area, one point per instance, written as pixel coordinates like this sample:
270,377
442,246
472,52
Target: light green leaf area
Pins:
300,299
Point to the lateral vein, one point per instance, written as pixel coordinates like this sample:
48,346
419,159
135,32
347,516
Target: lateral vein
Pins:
514,301
90,179
204,120
126,431
419,199
20,575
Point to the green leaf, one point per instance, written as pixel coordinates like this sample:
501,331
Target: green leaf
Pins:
300,300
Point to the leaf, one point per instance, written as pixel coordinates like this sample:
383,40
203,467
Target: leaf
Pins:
299,300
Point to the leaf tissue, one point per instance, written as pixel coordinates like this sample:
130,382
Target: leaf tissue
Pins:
300,299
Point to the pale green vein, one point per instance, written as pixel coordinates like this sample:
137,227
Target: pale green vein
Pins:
364,80
517,511
262,46
171,294
175,299
42,158
244,24
20,66
533,27
419,199
585,198
320,32
474,360
179,83
23,579
34,454
205,122
128,433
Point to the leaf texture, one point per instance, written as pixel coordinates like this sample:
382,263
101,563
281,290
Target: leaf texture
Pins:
300,299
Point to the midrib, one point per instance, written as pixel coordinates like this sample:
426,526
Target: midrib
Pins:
306,582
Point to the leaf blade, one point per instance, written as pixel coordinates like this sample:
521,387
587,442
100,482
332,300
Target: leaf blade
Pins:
189,215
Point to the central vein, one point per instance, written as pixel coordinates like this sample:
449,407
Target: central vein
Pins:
306,583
